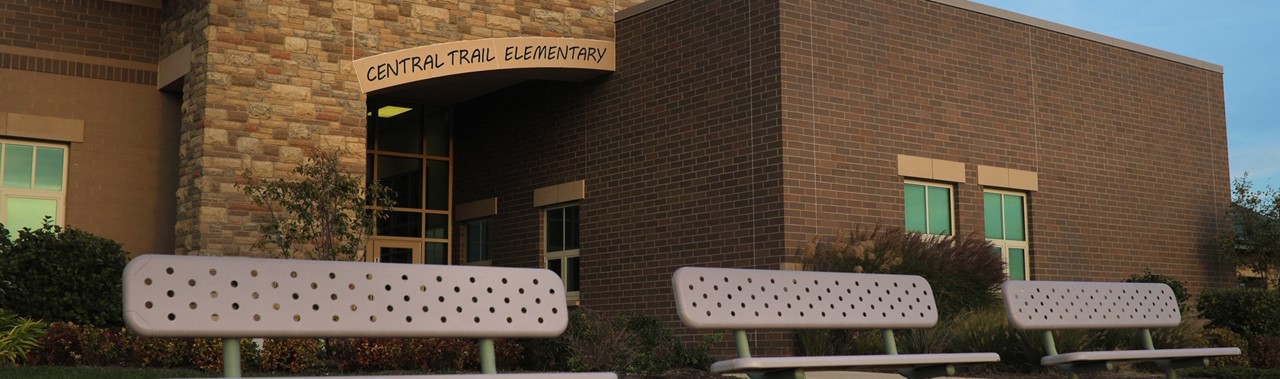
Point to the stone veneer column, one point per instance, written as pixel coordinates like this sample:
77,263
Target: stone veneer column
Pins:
271,79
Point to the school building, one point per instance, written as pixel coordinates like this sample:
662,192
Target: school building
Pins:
615,141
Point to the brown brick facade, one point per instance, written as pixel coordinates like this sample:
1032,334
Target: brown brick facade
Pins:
93,28
1130,149
731,134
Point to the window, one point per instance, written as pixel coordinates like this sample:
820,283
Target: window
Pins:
409,151
562,246
32,185
1006,224
478,241
928,208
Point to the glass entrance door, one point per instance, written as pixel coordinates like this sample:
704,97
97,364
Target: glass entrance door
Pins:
393,251
409,151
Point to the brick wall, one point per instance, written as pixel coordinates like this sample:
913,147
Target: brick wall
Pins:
1130,149
94,28
680,151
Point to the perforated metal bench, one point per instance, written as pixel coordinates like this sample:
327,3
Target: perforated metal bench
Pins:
741,299
233,298
1046,306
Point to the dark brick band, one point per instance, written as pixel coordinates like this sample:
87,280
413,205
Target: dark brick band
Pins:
83,70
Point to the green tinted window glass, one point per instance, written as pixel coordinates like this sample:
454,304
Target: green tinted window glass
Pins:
915,208
1017,264
939,210
993,215
1013,227
49,168
29,213
17,166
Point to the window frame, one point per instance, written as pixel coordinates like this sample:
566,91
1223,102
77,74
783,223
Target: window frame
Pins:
951,204
59,197
486,227
562,255
1005,244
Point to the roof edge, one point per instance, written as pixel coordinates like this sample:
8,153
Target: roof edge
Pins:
637,9
1076,32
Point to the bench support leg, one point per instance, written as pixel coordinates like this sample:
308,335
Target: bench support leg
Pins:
932,371
231,357
488,364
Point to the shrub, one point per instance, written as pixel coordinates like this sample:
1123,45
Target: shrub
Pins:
58,274
294,355
18,335
963,272
597,341
1264,352
206,353
102,347
1246,311
988,330
59,346
1220,337
161,352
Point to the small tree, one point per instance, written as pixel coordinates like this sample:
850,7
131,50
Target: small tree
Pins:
1253,240
324,214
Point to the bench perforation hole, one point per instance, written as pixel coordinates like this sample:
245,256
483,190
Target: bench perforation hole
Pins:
170,293
172,317
148,305
335,318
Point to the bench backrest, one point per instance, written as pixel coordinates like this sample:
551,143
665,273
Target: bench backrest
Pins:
767,299
191,296
1038,305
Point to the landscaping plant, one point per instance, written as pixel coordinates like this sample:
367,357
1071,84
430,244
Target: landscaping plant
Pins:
18,335
62,274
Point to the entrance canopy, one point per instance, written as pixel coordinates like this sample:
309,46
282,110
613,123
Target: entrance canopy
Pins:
446,73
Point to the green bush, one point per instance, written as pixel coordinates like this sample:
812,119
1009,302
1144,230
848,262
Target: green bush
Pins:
597,341
963,272
988,330
18,335
57,274
59,346
1245,311
293,355
1220,337
1264,352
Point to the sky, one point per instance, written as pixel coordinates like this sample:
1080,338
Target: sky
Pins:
1241,35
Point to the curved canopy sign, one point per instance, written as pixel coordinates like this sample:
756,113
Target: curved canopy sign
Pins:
454,58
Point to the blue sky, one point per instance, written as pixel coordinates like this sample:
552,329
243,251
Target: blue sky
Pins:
1241,35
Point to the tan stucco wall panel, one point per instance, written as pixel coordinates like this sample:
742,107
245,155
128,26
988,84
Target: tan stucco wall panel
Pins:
122,178
560,193
42,128
927,168
476,209
1008,178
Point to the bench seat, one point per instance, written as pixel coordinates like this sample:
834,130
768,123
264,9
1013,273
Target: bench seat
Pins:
1137,355
742,299
745,365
